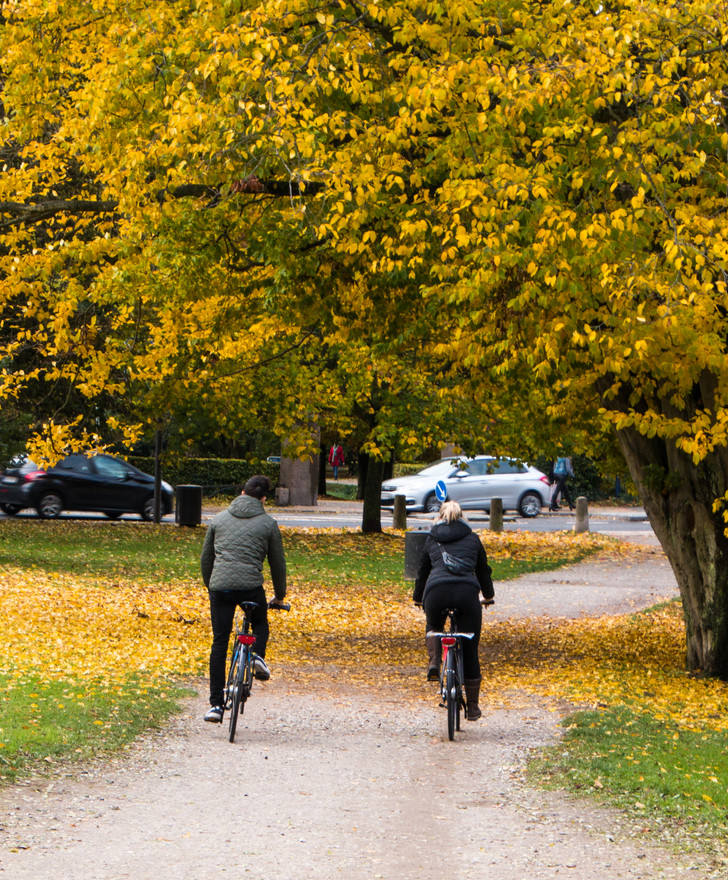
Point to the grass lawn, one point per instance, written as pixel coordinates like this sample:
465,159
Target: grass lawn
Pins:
166,554
119,612
672,781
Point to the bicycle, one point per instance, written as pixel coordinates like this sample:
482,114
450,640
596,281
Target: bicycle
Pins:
451,675
242,667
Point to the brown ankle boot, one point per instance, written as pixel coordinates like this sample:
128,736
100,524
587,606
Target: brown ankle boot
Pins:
472,693
434,653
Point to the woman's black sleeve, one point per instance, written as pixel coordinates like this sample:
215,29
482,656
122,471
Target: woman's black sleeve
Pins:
422,574
483,572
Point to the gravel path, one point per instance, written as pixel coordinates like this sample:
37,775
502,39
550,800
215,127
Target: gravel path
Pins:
590,588
342,783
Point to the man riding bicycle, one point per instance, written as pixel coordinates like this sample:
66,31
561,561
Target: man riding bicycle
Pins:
453,570
237,542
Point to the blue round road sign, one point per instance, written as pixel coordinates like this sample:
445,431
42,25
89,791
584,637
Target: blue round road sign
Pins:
441,491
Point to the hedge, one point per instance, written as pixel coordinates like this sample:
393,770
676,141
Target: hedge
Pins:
217,476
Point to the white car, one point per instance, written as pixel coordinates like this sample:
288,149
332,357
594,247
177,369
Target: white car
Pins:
472,482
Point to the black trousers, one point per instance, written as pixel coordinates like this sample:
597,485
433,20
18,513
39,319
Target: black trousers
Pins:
562,489
222,614
465,599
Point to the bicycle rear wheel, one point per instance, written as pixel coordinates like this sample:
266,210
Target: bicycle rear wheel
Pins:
236,690
451,696
459,698
228,692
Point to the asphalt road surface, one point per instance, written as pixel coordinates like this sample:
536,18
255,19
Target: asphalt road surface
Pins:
629,523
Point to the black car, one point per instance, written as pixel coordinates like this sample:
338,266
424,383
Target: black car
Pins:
81,482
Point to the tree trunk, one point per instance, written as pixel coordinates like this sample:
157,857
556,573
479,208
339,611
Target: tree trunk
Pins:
678,498
361,476
158,476
323,458
372,514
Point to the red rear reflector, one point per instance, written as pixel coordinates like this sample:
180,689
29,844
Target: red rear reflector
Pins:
246,640
448,642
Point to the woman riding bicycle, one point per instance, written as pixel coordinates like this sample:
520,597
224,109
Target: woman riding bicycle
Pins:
453,570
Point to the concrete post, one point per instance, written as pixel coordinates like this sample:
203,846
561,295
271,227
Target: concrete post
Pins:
399,515
582,514
496,514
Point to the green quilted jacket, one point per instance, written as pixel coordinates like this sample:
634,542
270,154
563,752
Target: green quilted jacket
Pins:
237,542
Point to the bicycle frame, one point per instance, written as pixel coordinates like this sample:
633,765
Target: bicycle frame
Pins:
241,648
452,674
242,664
240,673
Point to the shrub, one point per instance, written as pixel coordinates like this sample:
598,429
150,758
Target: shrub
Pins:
216,475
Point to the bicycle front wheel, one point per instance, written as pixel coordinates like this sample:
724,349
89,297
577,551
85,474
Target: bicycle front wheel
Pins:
236,690
451,695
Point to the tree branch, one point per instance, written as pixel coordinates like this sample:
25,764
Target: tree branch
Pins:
262,363
43,209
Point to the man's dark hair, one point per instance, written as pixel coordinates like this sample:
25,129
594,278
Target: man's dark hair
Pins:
257,487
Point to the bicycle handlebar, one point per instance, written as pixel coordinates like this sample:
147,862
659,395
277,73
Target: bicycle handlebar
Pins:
454,635
276,607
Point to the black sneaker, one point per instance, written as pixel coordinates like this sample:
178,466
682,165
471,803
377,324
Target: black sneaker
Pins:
214,714
433,674
262,673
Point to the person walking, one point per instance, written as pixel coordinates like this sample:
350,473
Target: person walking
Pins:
237,542
560,473
336,459
453,570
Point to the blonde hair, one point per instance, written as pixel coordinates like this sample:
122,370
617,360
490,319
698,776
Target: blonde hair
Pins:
449,512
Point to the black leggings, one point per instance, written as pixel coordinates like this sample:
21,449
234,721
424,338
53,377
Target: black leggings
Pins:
562,489
222,613
464,598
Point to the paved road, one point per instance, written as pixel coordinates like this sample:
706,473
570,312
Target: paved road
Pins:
629,523
603,520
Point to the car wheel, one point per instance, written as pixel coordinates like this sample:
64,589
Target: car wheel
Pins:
50,505
148,509
112,514
432,505
10,509
530,504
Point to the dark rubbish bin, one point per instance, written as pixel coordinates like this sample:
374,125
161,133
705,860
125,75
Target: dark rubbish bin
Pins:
188,511
414,546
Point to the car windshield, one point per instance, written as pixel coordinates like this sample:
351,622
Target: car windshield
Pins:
438,469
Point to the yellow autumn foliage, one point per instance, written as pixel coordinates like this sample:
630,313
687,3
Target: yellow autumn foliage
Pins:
86,630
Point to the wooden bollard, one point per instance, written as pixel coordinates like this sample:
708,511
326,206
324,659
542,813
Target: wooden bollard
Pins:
399,514
582,514
496,514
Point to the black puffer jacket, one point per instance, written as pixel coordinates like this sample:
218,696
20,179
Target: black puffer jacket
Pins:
459,540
